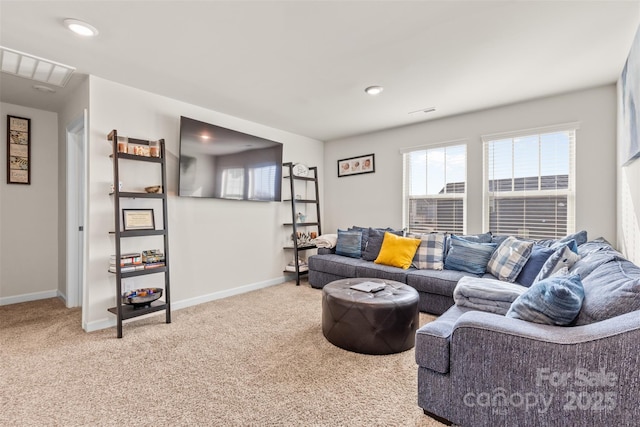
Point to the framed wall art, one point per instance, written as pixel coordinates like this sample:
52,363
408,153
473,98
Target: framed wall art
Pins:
18,150
629,108
356,165
138,219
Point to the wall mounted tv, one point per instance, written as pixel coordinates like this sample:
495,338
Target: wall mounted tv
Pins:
221,163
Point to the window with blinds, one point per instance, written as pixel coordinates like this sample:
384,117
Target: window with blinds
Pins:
530,183
435,189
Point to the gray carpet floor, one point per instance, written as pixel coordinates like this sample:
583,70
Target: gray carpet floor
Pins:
254,359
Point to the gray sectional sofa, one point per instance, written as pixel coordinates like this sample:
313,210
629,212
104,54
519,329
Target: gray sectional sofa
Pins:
478,368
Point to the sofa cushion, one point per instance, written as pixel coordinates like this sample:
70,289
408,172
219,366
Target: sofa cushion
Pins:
374,242
379,271
509,258
349,243
611,289
468,256
441,282
562,257
335,264
397,251
553,301
430,253
432,340
539,255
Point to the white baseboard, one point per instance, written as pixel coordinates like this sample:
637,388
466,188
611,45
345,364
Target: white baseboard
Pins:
34,296
110,322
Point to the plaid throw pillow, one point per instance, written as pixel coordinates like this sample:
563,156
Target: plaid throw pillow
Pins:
509,259
430,253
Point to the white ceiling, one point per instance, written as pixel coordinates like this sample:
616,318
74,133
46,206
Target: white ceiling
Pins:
302,66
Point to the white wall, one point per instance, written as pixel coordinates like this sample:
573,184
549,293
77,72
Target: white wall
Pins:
29,213
217,247
376,199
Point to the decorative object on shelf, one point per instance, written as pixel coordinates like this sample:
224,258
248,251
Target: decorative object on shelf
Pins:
356,165
113,189
18,150
141,297
123,144
138,219
301,217
301,170
154,148
153,188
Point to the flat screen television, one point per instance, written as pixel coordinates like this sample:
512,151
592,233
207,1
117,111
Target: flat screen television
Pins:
221,163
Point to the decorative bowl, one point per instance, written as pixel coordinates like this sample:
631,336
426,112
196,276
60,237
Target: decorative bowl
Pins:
141,297
154,189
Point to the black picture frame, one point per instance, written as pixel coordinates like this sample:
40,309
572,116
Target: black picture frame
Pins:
18,150
138,219
356,165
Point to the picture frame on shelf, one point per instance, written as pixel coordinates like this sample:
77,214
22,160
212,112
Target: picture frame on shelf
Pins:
356,165
18,150
138,219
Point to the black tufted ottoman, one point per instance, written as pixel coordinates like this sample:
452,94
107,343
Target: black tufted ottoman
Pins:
382,322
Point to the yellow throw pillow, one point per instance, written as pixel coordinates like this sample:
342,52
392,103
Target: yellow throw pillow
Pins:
397,251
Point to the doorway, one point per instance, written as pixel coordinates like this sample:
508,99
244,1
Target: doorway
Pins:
76,211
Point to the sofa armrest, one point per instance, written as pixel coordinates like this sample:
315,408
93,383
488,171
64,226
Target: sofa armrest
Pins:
507,371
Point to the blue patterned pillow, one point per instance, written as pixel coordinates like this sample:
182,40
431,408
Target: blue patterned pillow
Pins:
348,243
430,253
468,256
562,257
510,257
553,301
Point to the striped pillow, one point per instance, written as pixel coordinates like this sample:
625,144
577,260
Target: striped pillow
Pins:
509,259
430,253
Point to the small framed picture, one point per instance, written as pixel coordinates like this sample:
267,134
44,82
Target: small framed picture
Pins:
18,150
138,219
356,165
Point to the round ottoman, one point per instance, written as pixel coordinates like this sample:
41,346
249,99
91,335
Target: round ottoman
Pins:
382,322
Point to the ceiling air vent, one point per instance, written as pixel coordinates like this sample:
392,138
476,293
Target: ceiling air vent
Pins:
34,68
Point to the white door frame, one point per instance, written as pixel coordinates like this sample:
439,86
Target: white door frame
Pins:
76,239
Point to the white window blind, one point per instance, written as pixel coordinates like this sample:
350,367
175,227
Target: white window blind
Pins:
530,183
233,183
262,182
435,189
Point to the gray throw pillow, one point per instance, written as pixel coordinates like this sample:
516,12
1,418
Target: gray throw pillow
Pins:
374,242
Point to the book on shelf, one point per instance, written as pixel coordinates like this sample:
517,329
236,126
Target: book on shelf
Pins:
153,265
127,259
127,269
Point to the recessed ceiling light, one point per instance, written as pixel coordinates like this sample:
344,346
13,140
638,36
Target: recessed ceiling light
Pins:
374,90
42,88
81,28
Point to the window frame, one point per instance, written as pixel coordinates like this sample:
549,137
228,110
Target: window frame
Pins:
406,187
569,192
